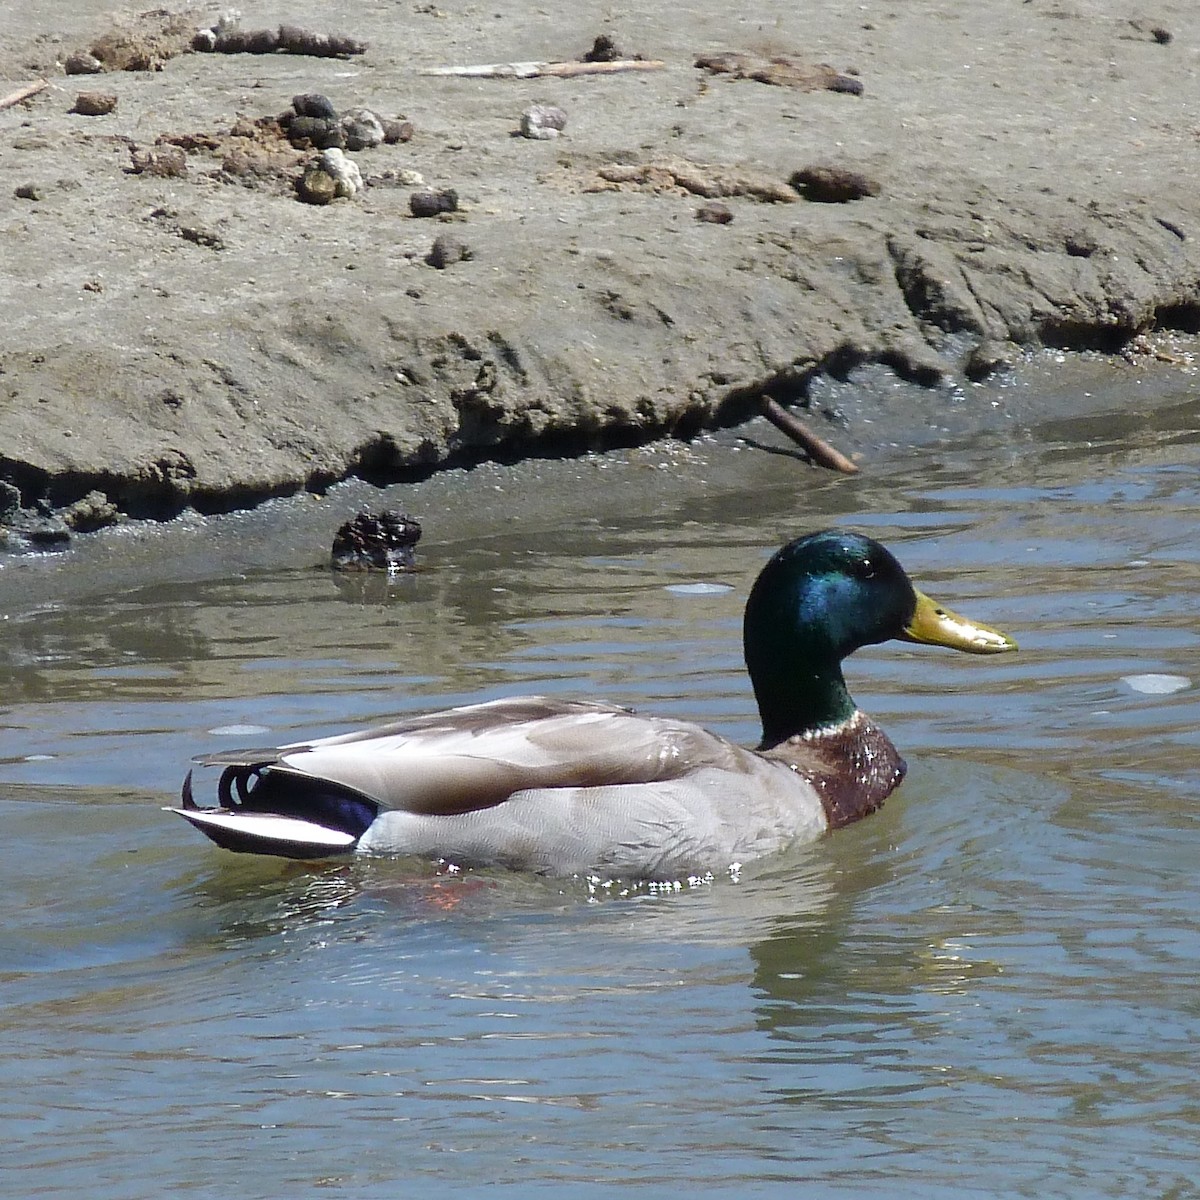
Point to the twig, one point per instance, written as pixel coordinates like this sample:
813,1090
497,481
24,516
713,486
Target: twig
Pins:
23,93
532,70
819,450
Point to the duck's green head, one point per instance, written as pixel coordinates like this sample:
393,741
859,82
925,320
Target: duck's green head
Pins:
819,599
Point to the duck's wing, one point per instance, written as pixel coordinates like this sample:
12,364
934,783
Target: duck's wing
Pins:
477,756
450,763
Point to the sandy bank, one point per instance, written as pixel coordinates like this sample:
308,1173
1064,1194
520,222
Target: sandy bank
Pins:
205,338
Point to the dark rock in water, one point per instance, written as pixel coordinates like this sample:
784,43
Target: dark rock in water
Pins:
10,500
36,529
94,511
313,104
376,542
987,359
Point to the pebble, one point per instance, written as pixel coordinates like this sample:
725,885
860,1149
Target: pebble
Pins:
447,250
397,130
541,122
83,64
376,542
313,104
323,133
433,203
94,104
714,213
332,176
833,185
361,129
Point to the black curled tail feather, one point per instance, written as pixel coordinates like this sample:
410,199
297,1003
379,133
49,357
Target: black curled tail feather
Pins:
256,788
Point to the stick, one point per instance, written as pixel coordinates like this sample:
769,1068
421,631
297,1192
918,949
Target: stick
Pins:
819,450
23,93
532,70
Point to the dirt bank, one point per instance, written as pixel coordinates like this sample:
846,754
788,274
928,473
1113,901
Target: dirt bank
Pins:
180,329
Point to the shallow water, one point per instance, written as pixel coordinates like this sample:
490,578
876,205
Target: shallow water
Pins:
987,989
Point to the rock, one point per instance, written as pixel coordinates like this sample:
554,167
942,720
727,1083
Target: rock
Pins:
322,133
83,64
833,185
988,358
604,49
447,250
10,499
433,203
165,162
344,171
541,122
94,104
361,129
333,175
397,130
94,511
383,542
714,213
29,191
316,186
313,104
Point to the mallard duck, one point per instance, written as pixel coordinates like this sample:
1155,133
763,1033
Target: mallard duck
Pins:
562,787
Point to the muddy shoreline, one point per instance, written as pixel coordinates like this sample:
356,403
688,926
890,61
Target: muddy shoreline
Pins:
197,336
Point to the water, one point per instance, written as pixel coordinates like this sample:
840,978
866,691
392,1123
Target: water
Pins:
987,989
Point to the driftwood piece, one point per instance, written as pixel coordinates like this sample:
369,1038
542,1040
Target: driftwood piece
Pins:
819,450
560,70
23,93
287,39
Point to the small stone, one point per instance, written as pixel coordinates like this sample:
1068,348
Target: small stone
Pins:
833,185
604,49
397,131
344,171
316,186
541,122
989,358
29,191
83,64
1162,36
94,104
10,499
361,129
714,213
383,542
94,511
313,104
321,133
447,250
433,203
846,84
165,162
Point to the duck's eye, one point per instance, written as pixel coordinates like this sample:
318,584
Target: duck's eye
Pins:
864,569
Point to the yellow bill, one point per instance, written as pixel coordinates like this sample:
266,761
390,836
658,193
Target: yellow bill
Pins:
933,624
